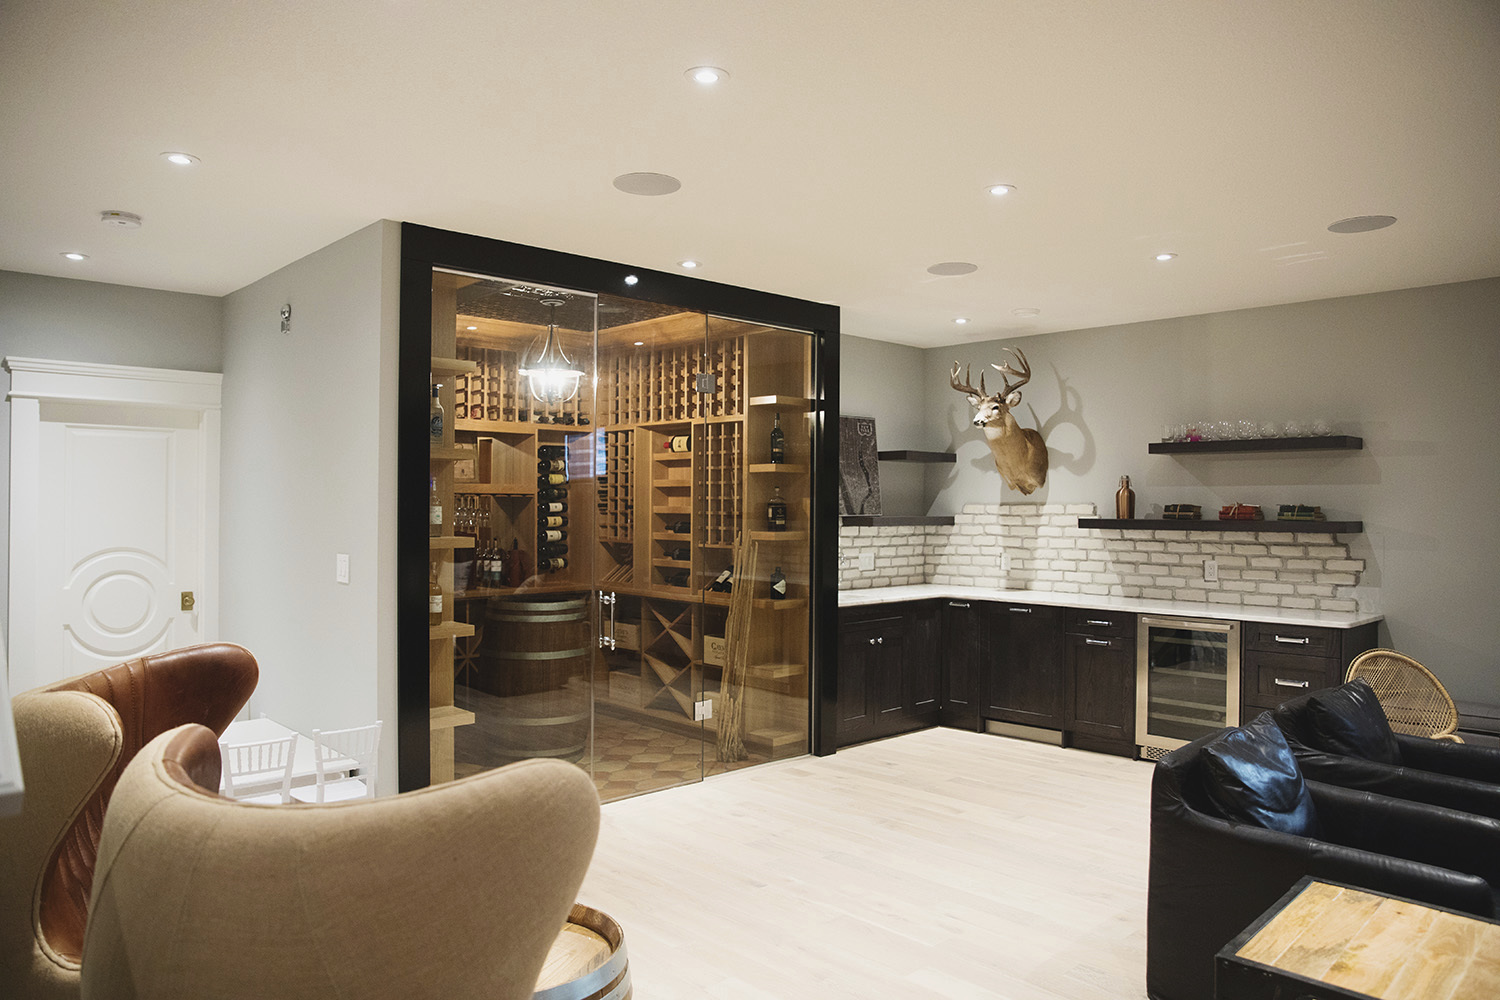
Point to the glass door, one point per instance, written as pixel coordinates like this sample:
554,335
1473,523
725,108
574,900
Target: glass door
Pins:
626,564
1187,679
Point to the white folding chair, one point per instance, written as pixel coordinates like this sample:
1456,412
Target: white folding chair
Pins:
334,750
250,767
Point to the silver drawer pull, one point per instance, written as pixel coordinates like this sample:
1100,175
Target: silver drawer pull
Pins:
1097,642
1282,682
958,604
1293,640
1095,621
879,641
1021,611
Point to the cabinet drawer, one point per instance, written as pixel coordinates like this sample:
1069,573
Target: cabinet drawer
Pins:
1272,678
1091,621
1299,640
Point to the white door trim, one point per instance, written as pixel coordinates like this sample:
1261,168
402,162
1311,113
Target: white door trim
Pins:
35,381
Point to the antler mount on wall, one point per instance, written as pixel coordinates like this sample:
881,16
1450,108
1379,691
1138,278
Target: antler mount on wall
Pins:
1020,453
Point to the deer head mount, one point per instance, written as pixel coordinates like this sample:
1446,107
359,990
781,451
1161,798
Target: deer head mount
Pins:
1020,453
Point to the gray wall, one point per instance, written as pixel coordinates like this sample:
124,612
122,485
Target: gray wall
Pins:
64,319
309,470
1414,372
885,381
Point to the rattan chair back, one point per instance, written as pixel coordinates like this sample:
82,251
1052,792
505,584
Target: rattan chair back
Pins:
1415,701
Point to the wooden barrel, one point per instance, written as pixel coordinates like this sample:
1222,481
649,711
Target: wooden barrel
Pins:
535,659
587,961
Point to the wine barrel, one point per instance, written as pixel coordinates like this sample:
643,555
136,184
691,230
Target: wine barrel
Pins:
587,961
535,659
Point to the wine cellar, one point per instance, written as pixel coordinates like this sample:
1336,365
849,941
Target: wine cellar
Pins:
585,537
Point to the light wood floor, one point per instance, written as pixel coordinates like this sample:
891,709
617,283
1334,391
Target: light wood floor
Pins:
941,864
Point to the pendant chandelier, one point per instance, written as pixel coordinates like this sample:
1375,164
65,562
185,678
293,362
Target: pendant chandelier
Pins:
552,376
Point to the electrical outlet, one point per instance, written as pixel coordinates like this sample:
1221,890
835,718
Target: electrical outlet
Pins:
1005,562
1210,571
341,567
703,710
867,560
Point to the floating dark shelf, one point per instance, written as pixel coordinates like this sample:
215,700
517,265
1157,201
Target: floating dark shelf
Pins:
1336,442
916,456
893,520
1207,524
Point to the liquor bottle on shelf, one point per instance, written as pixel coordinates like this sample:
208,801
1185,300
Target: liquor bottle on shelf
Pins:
778,585
776,511
556,520
778,442
435,415
680,553
434,509
677,442
724,582
434,598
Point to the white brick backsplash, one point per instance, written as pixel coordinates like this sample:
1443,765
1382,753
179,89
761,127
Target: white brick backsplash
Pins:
1048,551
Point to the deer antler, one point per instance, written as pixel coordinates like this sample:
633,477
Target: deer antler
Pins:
963,386
1005,369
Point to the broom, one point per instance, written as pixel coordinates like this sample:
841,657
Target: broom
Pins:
731,741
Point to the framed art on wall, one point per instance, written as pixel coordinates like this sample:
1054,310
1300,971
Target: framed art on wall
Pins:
859,467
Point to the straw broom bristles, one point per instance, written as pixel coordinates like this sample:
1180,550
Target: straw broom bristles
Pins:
731,742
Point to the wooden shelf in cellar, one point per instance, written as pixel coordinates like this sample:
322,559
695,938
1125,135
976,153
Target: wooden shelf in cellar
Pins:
441,454
782,467
672,563
450,630
527,490
778,536
786,402
782,604
452,366
448,716
451,542
776,671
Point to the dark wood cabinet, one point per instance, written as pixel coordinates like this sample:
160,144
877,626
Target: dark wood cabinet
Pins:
1099,687
889,670
1023,650
963,664
1278,662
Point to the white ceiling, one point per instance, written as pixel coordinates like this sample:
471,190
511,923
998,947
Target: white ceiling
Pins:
849,151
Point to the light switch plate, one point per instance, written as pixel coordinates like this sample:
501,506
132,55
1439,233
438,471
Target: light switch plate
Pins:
341,567
867,560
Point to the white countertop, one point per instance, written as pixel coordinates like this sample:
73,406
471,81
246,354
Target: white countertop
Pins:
1134,605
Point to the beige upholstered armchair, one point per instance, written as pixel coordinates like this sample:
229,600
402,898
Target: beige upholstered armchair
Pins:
75,737
457,890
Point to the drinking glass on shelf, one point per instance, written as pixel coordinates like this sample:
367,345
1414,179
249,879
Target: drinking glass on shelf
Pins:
1248,430
1321,428
1270,430
1295,429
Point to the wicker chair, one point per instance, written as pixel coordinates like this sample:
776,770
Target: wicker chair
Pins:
1415,701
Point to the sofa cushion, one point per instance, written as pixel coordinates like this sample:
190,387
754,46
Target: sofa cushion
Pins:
1348,720
1252,777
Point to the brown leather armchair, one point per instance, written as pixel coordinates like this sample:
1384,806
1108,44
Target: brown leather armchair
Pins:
75,738
456,890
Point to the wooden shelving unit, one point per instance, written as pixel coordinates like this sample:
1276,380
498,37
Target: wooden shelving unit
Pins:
1279,527
1331,442
894,520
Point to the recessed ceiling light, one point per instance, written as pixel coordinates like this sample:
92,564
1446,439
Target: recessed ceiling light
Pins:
950,267
1362,224
125,220
1026,312
75,255
640,343
1165,256
181,159
960,320
471,328
645,183
631,279
707,75
687,265
1001,189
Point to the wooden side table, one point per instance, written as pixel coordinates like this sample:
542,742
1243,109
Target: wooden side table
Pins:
1327,941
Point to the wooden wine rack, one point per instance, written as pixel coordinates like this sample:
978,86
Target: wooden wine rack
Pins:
723,463
616,499
658,386
496,396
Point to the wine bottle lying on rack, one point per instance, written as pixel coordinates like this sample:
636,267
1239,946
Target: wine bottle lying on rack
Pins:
681,553
724,582
678,527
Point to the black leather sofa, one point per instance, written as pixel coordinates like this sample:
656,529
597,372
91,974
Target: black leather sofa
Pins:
1340,736
1234,825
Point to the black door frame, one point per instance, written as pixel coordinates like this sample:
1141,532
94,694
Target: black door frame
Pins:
422,249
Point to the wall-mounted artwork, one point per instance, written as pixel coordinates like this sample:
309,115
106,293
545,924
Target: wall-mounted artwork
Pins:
859,466
1020,453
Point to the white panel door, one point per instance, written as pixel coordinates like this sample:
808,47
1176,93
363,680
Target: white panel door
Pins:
121,532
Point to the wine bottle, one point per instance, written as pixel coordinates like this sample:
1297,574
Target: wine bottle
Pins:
434,509
675,578
548,452
550,549
778,585
676,442
556,507
552,479
434,598
778,442
550,535
435,415
556,521
776,512
1125,500
548,494
555,564
681,553
678,527
546,465
724,582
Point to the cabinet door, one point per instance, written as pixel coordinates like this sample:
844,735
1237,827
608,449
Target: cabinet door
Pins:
961,664
1024,660
872,694
923,661
1100,696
